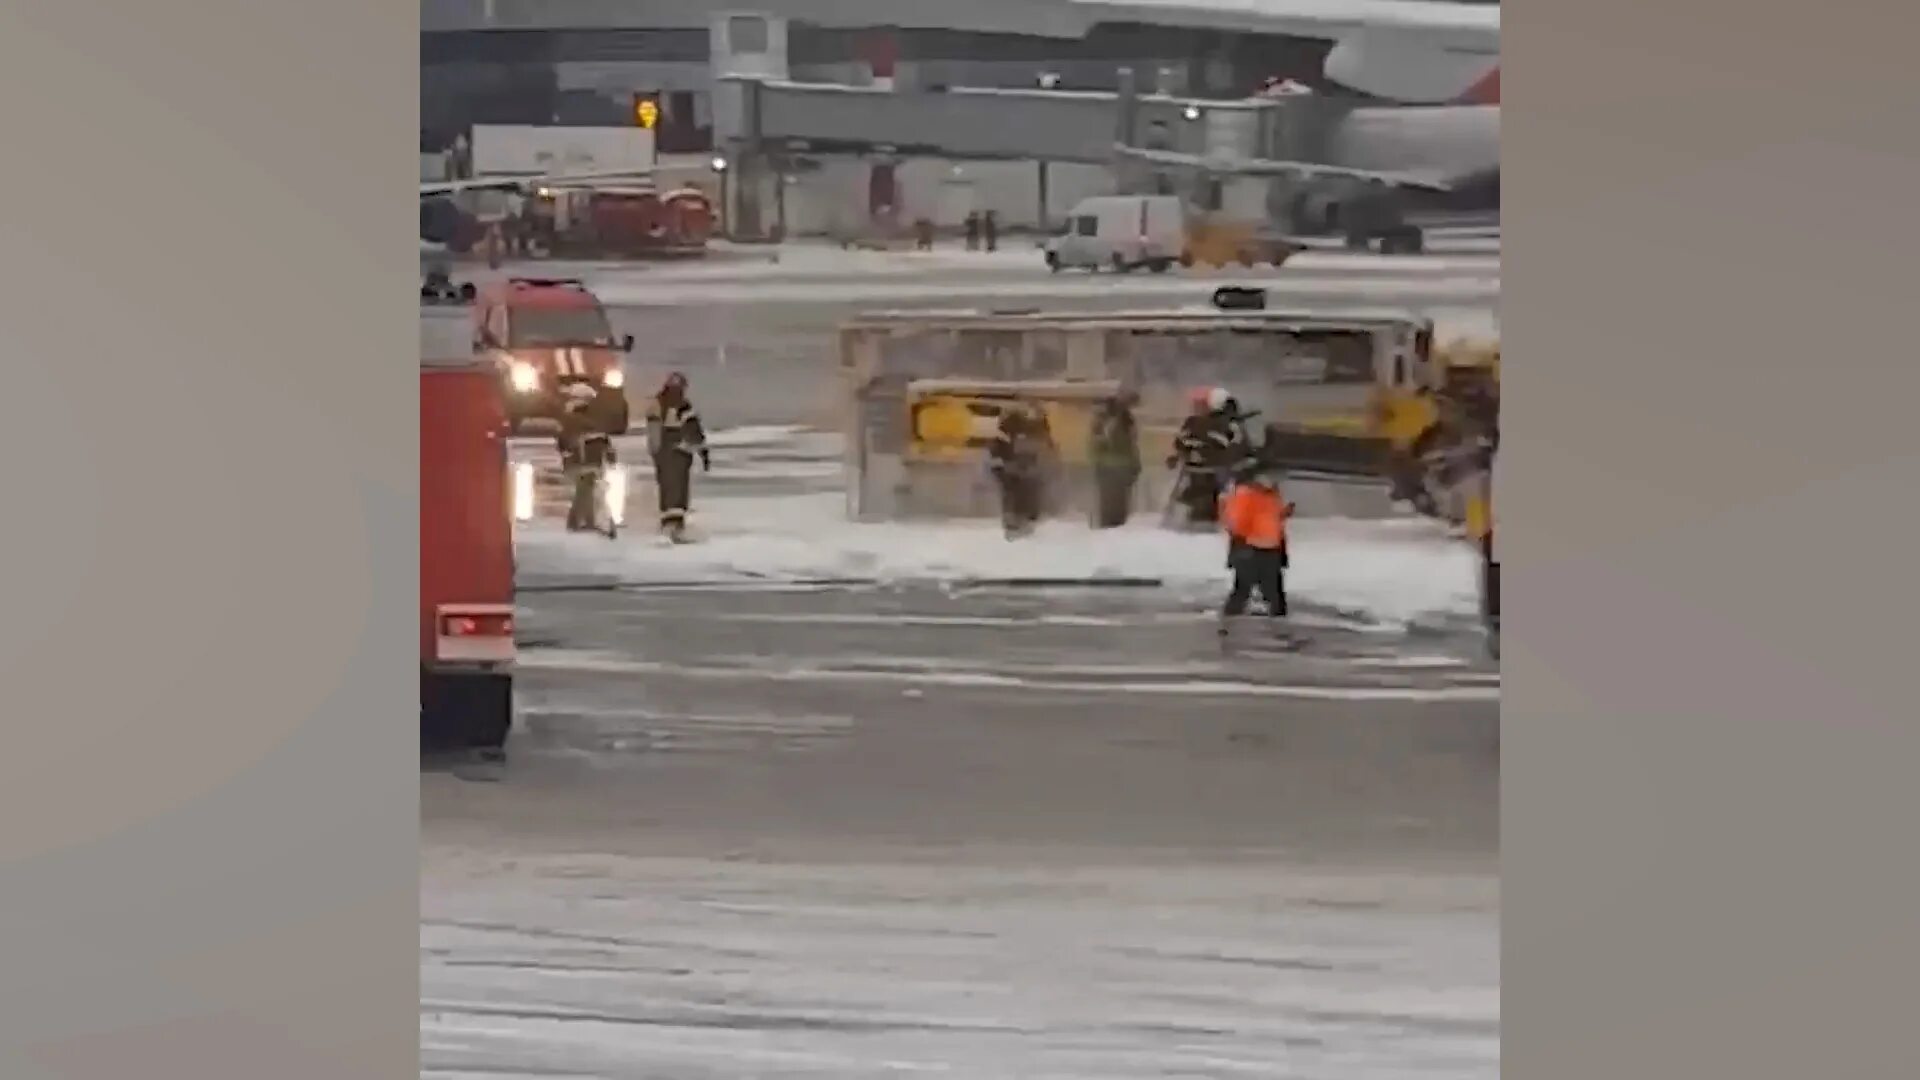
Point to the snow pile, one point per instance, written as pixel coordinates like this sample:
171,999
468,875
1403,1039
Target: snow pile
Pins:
1018,257
1392,572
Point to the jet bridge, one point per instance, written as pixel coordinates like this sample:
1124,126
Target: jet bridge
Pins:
973,122
760,120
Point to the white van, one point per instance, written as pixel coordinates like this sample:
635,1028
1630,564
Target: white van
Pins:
1122,232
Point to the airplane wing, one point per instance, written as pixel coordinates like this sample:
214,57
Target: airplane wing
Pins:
429,189
1328,20
1268,167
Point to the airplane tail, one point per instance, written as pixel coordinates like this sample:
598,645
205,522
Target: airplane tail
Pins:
1484,91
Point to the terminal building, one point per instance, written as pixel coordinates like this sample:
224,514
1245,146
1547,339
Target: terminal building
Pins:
726,78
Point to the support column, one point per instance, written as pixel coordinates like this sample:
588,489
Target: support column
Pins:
746,48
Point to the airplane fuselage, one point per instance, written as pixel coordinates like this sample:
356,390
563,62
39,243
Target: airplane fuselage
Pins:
1417,67
1452,142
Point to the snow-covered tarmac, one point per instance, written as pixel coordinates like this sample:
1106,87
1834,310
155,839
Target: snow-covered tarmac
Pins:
754,826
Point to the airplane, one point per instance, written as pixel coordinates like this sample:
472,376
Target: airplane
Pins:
1406,52
1414,91
446,227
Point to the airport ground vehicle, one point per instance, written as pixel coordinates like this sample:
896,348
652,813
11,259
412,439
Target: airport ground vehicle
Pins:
1349,393
542,334
1480,529
1121,233
1213,240
631,221
951,421
1314,377
1433,429
466,547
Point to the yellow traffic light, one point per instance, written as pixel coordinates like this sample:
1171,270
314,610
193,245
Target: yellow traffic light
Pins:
647,112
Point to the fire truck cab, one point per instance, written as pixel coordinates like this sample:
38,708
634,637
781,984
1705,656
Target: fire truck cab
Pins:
540,335
466,548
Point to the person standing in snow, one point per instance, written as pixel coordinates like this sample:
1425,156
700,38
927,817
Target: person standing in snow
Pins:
1254,515
1017,459
1115,454
586,452
1226,411
1209,444
674,437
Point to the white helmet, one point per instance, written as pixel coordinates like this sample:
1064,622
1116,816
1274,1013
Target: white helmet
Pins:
1218,398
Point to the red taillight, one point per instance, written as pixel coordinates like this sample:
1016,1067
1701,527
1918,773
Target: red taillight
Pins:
478,625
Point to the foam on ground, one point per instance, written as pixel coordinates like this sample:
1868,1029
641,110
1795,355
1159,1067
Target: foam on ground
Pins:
1390,572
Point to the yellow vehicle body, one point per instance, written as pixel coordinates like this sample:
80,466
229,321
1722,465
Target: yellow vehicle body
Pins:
1480,529
950,422
1404,414
1218,242
1423,424
911,375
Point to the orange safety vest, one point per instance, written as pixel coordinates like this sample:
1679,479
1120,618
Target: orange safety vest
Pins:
1255,516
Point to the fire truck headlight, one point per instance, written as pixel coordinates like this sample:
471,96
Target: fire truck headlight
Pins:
525,378
615,378
522,491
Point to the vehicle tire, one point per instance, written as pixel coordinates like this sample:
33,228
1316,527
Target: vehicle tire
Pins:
1407,240
1120,265
1160,266
1053,262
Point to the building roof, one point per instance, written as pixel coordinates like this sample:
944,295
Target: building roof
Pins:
1041,18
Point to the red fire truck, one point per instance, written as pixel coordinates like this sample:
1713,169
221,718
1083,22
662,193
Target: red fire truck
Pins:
466,547
543,334
614,221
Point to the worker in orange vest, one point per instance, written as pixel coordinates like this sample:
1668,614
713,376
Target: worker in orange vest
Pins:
1254,516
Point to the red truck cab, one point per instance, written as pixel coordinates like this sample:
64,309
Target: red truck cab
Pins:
466,548
689,219
540,335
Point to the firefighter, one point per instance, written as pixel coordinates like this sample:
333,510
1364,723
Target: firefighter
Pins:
674,437
610,411
1116,459
1016,457
1206,448
586,452
1255,517
1225,409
